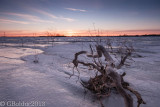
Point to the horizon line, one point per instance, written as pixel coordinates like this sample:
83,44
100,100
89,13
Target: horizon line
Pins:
125,35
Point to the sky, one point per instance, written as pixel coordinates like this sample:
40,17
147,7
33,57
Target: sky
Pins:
79,17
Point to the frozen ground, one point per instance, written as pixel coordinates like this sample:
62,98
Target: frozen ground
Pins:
22,80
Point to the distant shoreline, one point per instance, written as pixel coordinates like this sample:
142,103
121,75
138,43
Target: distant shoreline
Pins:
150,35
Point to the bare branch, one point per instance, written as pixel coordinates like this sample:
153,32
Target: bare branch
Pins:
117,79
76,57
89,64
100,50
123,58
139,98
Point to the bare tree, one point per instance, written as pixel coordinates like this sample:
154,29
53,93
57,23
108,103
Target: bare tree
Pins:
22,41
51,38
106,77
4,39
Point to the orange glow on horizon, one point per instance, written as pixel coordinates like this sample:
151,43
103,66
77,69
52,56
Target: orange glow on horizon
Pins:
78,33
71,33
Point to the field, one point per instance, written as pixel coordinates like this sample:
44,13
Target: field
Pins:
36,70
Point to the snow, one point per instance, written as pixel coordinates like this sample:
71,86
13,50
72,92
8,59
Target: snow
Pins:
48,80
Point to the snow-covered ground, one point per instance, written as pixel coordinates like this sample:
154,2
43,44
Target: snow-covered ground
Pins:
47,82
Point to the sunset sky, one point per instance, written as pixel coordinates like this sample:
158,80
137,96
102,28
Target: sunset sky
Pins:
79,17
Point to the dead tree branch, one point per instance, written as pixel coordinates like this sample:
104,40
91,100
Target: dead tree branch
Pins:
102,84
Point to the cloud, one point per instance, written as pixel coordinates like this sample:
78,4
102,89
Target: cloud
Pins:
21,33
53,16
73,9
46,13
12,21
37,19
67,19
30,17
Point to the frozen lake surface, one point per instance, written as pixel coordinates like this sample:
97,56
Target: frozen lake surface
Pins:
22,80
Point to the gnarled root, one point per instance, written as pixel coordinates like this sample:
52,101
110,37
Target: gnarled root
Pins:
108,79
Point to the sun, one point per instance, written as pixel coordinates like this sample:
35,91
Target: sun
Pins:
71,33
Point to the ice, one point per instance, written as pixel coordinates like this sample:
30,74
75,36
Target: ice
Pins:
48,80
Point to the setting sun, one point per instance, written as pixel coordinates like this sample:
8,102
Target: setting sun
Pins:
71,33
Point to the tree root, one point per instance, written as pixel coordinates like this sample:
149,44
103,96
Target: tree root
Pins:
137,94
108,79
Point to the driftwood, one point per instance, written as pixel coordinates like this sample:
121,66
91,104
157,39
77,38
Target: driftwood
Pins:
107,79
